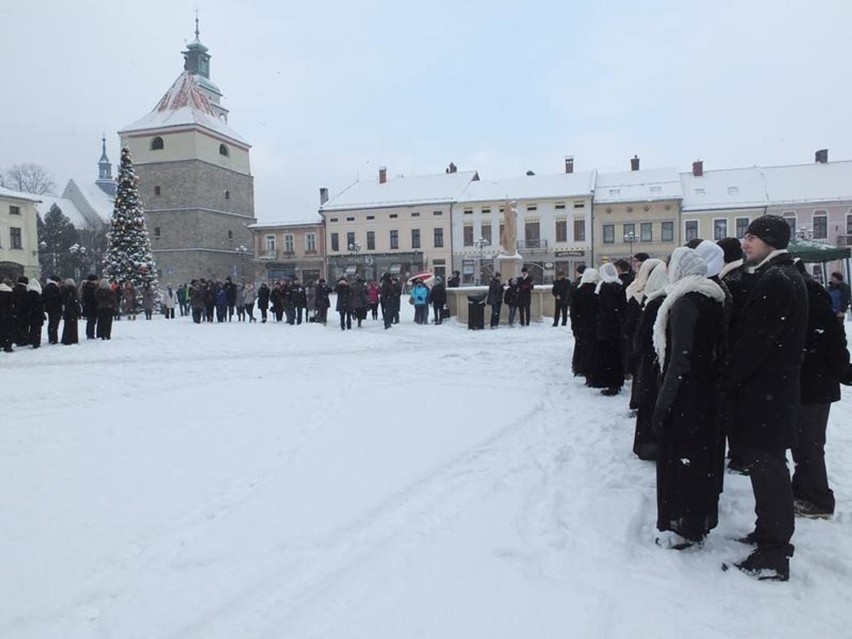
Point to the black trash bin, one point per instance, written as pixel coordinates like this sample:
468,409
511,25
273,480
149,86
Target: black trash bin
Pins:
476,312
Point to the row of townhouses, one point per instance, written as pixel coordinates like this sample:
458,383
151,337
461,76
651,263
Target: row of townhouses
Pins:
453,221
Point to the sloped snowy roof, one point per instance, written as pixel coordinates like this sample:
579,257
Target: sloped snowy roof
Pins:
633,186
184,104
422,189
19,195
724,189
809,182
68,208
527,187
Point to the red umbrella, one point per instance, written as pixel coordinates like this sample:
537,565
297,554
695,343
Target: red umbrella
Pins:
424,276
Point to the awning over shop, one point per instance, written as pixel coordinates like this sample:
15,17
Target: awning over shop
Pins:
813,251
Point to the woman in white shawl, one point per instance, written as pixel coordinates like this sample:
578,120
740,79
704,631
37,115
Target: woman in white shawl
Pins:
610,331
687,339
646,378
584,317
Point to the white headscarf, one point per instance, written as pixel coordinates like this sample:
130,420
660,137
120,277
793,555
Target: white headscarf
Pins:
657,282
34,285
713,256
687,274
609,275
590,276
637,287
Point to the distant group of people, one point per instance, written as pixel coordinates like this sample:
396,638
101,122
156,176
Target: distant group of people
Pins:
722,341
26,305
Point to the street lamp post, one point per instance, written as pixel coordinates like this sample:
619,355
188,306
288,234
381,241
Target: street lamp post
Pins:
480,244
241,251
630,238
355,249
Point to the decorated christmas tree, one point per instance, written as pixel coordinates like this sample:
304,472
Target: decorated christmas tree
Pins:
128,255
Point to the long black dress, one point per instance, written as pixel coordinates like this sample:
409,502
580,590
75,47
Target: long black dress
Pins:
646,383
71,313
688,467
610,334
584,316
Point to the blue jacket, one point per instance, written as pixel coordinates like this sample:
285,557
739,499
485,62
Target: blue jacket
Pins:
420,294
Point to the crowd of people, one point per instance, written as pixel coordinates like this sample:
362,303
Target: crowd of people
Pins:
724,342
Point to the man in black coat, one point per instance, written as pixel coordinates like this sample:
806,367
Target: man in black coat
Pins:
90,304
438,298
52,298
454,280
525,289
19,303
762,381
824,367
495,299
561,292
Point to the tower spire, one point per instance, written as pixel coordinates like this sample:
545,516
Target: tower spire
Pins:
105,181
197,33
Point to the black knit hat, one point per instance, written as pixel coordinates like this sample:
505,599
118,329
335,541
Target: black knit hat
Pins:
772,229
733,249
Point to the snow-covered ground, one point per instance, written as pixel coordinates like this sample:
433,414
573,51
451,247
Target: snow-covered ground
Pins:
263,481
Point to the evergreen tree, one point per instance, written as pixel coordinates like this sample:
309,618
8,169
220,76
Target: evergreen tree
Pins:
128,254
56,236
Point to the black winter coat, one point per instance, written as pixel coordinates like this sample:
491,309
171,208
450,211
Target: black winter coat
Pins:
495,293
34,309
561,289
87,298
439,295
52,298
70,304
646,383
510,297
343,292
106,299
525,287
263,297
321,300
612,306
764,368
826,361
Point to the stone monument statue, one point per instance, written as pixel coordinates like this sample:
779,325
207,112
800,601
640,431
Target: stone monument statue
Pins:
509,262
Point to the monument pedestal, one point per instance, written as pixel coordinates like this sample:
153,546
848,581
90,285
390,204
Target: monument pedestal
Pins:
508,266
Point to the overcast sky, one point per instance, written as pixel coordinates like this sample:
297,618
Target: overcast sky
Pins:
327,92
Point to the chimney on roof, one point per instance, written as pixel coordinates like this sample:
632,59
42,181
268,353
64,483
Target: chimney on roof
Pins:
569,163
821,156
383,174
698,168
452,168
634,163
323,195
530,173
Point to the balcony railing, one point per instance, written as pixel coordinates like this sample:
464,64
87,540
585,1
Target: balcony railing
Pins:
532,244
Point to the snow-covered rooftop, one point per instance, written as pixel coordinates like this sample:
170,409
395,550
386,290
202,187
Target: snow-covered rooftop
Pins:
20,195
642,185
68,208
724,189
184,104
527,187
816,182
401,191
287,224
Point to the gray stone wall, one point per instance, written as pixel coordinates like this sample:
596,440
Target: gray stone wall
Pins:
195,184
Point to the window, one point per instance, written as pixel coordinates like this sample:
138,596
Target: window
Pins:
579,204
14,210
371,217
579,231
559,206
415,214
609,233
415,238
371,240
615,191
629,231
350,219
486,232
350,241
742,225
561,230
532,207
227,195
157,190
646,232
733,190
230,235
468,211
467,237
157,232
532,234
690,230
334,219
335,242
486,211
820,225
15,238
699,192
394,239
270,243
439,238
790,216
437,212
157,144
223,150
289,243
393,216
310,242
667,232
720,229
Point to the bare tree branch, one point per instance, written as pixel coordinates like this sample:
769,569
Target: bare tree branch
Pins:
28,178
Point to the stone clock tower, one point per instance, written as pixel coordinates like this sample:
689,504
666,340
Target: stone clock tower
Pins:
195,178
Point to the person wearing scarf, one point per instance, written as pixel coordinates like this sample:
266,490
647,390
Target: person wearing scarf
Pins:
635,293
612,305
646,379
686,340
584,317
